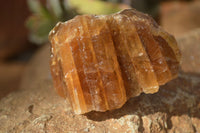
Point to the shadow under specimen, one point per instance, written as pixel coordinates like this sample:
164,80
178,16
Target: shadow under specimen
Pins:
178,97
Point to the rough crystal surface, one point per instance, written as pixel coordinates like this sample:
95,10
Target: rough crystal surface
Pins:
99,62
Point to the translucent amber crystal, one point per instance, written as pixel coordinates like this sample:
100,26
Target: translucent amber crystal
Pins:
99,62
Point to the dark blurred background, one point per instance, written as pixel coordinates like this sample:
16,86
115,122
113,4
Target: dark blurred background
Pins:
25,24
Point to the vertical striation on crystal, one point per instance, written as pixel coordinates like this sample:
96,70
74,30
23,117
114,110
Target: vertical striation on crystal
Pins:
99,62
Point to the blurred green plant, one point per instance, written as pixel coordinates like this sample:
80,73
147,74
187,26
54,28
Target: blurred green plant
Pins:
45,16
97,6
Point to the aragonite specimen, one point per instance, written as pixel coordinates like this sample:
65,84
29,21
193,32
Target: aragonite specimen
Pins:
99,62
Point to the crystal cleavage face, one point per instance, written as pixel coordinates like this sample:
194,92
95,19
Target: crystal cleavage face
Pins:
99,62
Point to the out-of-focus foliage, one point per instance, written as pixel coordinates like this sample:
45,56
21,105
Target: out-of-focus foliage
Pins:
45,17
96,6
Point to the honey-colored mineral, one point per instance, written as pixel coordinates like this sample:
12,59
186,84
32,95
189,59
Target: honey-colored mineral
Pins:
99,62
